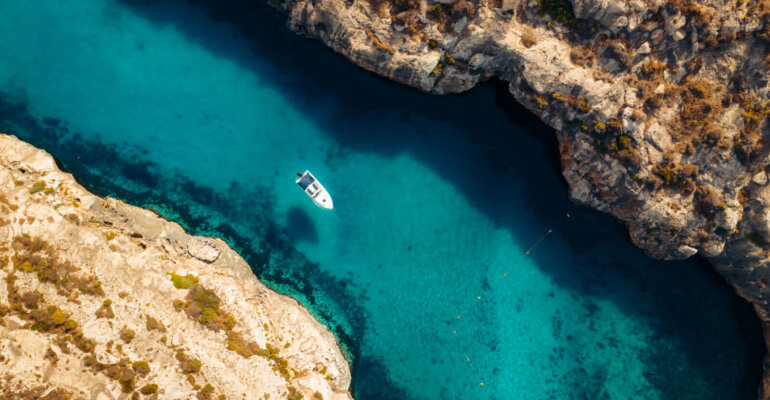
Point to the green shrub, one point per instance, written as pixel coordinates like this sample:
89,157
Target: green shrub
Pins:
183,282
294,394
39,186
559,10
438,10
583,106
127,335
141,367
187,364
149,389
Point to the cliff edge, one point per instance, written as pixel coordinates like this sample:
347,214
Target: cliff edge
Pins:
660,106
103,300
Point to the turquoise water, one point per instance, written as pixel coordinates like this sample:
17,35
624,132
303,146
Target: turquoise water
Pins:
204,114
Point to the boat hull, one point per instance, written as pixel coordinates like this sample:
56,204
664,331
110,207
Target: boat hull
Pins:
315,190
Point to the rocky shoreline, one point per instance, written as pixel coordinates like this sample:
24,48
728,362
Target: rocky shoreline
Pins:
660,106
105,300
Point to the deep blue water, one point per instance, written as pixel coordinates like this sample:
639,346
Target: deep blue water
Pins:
204,114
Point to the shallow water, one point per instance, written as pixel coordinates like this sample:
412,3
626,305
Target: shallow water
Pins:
205,115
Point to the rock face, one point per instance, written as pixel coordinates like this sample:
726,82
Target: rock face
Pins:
660,106
102,300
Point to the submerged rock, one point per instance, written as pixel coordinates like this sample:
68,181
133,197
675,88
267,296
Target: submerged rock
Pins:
661,106
104,300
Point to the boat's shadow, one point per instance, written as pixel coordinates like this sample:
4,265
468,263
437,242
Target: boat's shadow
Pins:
299,226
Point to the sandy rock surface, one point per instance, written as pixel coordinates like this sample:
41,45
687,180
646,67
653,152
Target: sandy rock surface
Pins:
103,300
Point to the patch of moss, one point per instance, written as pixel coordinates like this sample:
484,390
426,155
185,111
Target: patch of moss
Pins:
141,367
39,186
127,335
438,70
583,106
35,255
183,281
378,43
32,299
187,364
449,59
437,9
149,389
203,305
294,394
153,324
558,10
70,325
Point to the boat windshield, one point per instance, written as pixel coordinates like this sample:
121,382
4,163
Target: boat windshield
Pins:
305,181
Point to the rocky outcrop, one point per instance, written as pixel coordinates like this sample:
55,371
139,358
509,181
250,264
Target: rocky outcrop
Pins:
659,105
102,300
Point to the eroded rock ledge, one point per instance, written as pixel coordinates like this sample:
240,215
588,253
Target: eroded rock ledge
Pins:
103,300
660,106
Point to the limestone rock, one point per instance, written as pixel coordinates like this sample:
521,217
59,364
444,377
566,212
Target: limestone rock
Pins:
96,289
203,249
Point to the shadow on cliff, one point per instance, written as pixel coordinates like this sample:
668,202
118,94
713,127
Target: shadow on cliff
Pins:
516,147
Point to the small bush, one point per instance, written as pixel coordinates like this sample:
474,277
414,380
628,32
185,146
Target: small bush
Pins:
149,389
528,38
105,311
379,44
583,106
449,59
153,324
463,8
39,186
582,56
558,10
31,299
294,394
707,201
652,69
127,335
437,10
141,367
187,364
183,282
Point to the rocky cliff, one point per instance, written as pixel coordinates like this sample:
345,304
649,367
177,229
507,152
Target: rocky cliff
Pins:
102,300
660,106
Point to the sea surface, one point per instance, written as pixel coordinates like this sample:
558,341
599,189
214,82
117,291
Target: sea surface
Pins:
205,111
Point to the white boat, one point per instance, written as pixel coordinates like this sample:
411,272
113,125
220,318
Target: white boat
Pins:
315,190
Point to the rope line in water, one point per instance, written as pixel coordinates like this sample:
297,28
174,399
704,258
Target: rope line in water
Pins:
475,369
467,358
